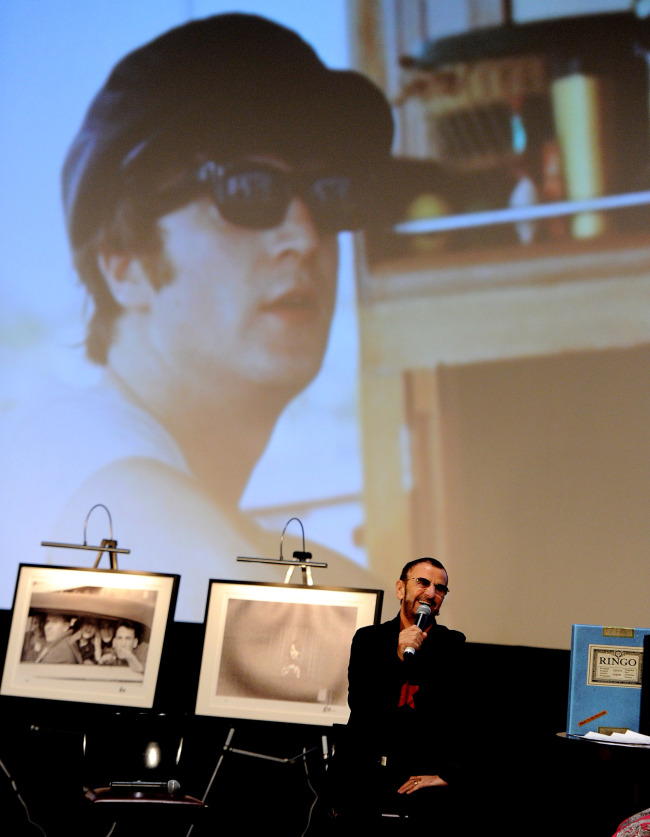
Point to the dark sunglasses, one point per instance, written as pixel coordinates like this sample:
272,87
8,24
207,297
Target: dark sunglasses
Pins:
257,195
425,582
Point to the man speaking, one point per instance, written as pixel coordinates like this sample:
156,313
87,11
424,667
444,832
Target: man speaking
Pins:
402,753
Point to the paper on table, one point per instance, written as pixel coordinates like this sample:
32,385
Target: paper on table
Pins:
627,737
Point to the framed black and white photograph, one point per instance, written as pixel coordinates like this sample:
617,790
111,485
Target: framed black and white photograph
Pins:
88,635
280,652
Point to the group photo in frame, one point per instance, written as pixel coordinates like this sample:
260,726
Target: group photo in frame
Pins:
280,652
88,635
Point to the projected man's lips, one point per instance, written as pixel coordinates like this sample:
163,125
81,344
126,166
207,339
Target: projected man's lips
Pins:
295,303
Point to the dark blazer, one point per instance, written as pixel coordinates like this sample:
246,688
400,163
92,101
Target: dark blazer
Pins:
427,738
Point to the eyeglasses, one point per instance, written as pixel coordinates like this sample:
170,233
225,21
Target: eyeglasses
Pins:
256,195
425,582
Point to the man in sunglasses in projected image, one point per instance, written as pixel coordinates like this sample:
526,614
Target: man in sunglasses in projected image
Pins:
402,752
203,195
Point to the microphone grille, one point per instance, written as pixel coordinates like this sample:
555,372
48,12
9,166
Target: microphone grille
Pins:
424,609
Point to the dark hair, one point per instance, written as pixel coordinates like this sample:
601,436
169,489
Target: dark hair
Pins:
131,626
433,561
222,82
130,230
61,617
86,620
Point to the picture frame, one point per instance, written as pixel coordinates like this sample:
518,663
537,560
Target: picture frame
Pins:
280,652
88,635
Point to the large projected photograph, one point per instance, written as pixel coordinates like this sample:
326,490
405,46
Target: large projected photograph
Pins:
381,267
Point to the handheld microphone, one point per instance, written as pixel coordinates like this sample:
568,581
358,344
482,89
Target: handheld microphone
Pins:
422,617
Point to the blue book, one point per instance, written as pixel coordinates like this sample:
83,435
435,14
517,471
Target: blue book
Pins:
605,679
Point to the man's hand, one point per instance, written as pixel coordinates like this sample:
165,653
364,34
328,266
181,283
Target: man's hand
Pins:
411,637
417,782
108,658
129,657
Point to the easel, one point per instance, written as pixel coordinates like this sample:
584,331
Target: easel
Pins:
303,560
139,804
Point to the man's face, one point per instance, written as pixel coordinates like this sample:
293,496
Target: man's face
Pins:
87,630
106,631
124,640
55,627
244,306
412,593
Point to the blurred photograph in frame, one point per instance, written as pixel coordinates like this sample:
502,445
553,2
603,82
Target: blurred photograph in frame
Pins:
280,652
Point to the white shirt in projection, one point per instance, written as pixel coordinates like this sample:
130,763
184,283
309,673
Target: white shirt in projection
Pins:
50,448
51,452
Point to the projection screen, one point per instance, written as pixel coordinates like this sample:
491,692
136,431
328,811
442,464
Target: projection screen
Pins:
481,401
